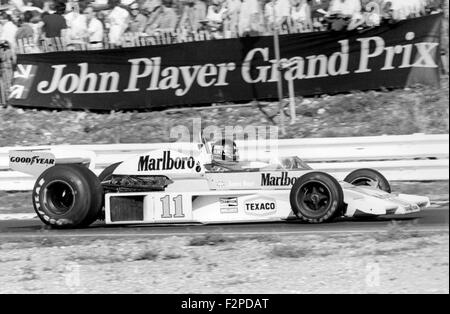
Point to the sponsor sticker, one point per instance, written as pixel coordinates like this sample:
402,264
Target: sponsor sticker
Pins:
32,160
167,162
268,179
260,206
228,205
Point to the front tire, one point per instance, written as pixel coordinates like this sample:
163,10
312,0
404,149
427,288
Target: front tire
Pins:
67,196
368,177
317,197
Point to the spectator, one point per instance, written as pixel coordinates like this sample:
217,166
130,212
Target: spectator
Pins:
222,17
8,29
36,24
387,13
216,16
163,18
137,19
53,23
76,22
118,22
403,9
234,9
151,5
94,31
28,33
281,15
250,18
25,30
194,11
17,4
344,13
345,8
300,15
100,4
47,9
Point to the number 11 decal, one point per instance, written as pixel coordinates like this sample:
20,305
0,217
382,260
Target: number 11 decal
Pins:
178,201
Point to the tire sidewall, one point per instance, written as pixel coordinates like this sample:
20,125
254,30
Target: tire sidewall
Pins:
84,193
97,197
333,187
370,174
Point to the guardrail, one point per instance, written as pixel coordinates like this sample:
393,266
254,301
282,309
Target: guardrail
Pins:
399,157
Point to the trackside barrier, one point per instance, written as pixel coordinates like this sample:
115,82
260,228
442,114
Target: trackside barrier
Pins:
399,157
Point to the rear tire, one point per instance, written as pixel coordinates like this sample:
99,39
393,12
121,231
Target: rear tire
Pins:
317,197
368,177
67,196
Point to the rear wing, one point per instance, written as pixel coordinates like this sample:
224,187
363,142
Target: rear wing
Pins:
36,161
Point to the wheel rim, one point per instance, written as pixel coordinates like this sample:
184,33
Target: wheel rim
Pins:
315,198
375,183
59,197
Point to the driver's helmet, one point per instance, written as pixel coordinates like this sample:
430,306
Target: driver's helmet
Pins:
225,150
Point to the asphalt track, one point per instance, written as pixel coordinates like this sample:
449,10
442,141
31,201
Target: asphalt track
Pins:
431,219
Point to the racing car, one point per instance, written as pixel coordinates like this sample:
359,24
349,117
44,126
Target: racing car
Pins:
208,185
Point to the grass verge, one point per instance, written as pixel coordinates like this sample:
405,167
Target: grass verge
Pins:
419,109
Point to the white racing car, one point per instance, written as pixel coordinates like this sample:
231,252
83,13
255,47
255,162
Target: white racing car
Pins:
168,186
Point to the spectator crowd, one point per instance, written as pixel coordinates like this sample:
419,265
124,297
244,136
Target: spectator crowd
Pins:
96,22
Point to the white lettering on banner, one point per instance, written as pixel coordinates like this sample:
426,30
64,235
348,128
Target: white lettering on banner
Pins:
73,83
425,59
169,78
366,54
134,72
424,54
262,70
342,56
257,67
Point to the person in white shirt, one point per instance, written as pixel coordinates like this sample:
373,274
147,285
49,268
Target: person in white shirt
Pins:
234,8
282,12
345,14
345,8
403,9
216,15
250,18
94,29
76,24
18,4
118,23
8,30
300,15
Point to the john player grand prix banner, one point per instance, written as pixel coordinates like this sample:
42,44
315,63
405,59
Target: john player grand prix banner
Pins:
231,70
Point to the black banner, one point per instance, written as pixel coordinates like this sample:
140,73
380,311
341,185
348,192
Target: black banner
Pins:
231,70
